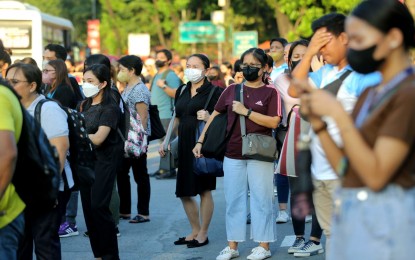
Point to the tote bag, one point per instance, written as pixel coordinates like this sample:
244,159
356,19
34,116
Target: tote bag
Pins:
288,156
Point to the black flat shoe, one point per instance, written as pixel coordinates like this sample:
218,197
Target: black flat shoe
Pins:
195,243
182,241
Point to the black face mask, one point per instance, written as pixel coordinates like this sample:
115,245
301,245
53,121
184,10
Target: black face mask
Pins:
212,77
294,64
250,73
160,63
363,61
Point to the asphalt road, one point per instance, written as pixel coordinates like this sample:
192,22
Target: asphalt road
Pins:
154,239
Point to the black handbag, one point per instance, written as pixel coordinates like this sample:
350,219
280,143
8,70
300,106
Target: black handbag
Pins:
207,166
157,129
216,137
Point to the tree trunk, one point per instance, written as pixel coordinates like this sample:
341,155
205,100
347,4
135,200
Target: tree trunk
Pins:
283,22
156,20
114,27
176,20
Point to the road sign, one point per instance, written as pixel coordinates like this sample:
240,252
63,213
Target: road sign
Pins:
242,41
139,44
201,32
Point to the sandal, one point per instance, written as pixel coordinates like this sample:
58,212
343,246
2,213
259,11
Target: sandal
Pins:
125,216
139,219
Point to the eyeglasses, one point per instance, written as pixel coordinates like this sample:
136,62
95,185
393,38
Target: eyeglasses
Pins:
244,66
47,71
15,81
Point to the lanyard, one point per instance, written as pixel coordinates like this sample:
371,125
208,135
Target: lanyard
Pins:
375,99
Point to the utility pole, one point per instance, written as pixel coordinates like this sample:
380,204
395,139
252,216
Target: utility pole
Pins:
94,9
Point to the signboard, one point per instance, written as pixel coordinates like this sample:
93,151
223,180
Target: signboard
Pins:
16,34
243,41
139,44
201,32
93,36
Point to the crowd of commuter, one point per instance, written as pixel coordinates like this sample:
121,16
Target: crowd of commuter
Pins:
339,106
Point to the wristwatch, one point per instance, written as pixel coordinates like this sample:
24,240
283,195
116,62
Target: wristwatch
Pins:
164,86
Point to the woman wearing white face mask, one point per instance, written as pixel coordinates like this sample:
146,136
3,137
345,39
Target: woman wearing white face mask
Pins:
101,117
189,110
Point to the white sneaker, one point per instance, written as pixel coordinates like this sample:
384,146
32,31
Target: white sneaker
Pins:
227,254
309,249
259,253
282,217
308,218
297,245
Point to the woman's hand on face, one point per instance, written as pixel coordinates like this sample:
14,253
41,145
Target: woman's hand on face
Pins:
203,115
197,150
238,108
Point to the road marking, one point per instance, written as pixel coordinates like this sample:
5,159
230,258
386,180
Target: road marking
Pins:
288,241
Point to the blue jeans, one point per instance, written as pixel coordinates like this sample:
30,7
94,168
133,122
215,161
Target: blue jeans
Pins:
72,207
373,225
10,238
283,188
259,176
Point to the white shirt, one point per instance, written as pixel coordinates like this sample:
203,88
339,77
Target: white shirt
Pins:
349,91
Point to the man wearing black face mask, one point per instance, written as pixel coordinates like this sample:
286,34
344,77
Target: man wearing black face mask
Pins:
336,76
163,90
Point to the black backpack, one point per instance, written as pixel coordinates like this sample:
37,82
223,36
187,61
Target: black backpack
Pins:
37,174
81,151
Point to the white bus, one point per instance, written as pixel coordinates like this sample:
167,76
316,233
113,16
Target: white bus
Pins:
26,30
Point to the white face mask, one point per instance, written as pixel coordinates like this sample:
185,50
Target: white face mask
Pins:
44,63
194,75
89,89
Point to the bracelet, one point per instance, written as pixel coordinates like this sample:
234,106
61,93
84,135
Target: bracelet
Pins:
164,86
199,143
321,129
249,112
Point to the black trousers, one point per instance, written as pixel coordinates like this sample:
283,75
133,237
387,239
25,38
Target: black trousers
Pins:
41,229
142,179
95,204
299,224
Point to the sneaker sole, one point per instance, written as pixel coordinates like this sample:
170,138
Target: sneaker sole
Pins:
281,221
232,257
258,258
292,251
70,234
320,251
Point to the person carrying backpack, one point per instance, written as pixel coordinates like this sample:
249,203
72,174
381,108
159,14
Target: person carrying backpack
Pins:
42,224
11,205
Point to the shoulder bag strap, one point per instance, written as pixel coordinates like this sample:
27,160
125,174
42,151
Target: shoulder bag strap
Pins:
171,124
210,97
241,117
289,115
237,98
335,85
38,109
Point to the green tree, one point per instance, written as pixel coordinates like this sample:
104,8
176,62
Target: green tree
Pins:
301,13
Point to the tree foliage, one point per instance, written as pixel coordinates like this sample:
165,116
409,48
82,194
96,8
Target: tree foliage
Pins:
302,13
161,18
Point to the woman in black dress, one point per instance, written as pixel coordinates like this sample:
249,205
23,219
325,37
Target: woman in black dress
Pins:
189,110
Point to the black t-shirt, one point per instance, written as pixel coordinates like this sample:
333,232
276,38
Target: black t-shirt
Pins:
64,95
103,115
